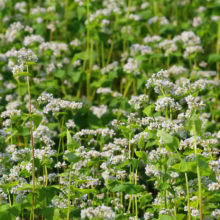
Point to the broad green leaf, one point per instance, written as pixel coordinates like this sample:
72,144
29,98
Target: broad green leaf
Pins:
141,142
50,213
128,188
71,157
23,74
142,155
149,110
135,163
203,165
164,186
180,216
75,213
71,144
213,58
11,213
144,199
194,122
37,118
26,186
166,217
171,142
188,167
59,73
11,184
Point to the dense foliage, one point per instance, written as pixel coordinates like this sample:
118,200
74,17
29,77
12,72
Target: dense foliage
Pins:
109,109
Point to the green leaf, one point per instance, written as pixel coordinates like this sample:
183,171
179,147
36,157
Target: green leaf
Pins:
142,155
141,142
203,165
80,11
71,144
59,73
71,157
26,186
166,217
144,199
10,213
180,216
172,143
149,110
75,213
213,58
164,186
22,74
135,163
128,188
11,184
37,118
50,213
188,167
194,122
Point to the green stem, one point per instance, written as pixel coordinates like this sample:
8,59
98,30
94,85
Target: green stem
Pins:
68,212
218,63
198,175
32,145
188,201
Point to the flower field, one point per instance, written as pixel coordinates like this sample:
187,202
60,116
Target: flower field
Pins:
110,109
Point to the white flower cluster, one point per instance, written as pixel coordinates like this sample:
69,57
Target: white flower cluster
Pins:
25,56
45,97
102,90
132,66
33,38
110,67
138,101
216,213
10,113
152,39
102,212
167,103
99,111
192,49
162,20
142,49
55,105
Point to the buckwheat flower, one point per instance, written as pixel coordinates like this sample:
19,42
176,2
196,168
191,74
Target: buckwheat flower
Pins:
39,20
194,213
196,21
213,186
76,63
99,111
102,90
152,39
148,215
10,113
215,213
18,69
70,124
144,5
132,66
167,103
174,175
29,29
162,20
26,56
33,38
142,49
75,42
50,68
194,198
44,98
192,49
110,67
